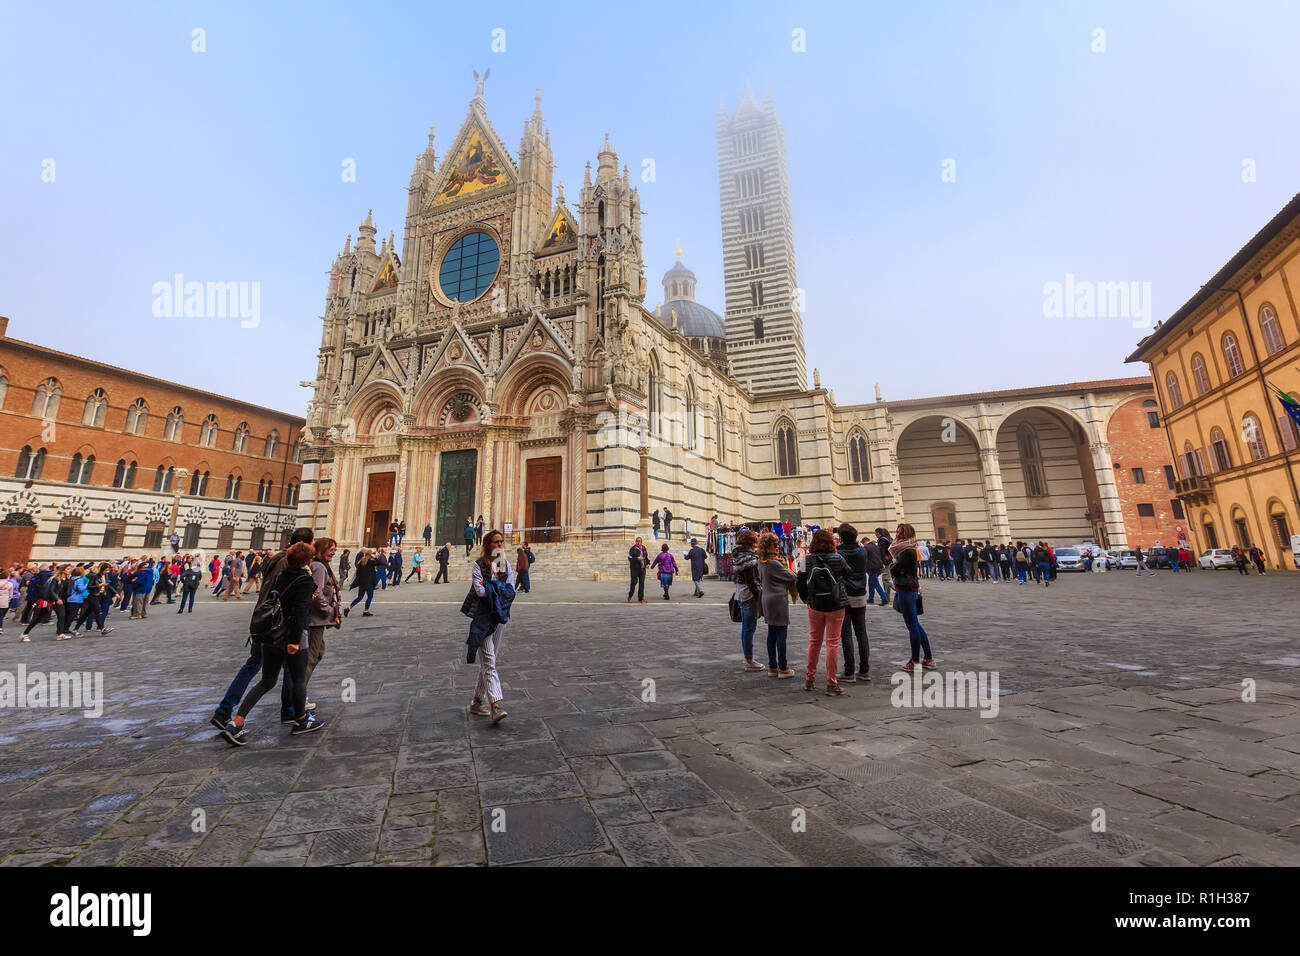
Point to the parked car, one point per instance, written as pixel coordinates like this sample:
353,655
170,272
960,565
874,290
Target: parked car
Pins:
1069,559
1215,558
1128,560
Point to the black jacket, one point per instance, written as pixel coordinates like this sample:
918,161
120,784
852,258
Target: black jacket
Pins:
295,586
856,563
365,576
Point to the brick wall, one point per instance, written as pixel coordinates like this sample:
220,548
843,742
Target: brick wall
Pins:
1134,444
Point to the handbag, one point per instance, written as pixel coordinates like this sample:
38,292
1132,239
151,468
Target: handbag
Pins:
733,609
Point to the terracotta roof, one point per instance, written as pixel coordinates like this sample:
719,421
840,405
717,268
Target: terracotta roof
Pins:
66,356
1101,385
1215,285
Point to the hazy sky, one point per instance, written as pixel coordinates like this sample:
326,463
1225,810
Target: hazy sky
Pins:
224,166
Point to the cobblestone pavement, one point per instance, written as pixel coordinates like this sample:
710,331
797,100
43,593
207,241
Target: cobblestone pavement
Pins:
1117,695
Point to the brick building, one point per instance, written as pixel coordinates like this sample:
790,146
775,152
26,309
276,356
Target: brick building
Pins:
1144,474
98,461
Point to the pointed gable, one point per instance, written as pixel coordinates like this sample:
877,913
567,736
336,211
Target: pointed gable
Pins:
563,231
387,278
477,161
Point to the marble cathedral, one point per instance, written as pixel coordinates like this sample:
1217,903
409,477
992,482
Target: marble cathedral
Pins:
503,362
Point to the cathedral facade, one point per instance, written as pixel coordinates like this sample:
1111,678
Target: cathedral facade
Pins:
504,362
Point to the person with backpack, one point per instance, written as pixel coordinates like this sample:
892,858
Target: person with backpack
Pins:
777,583
1043,562
443,556
855,613
699,565
524,559
638,559
163,587
821,586
667,566
1256,557
191,578
668,524
39,603
76,598
907,583
284,645
972,554
235,692
748,593
1022,562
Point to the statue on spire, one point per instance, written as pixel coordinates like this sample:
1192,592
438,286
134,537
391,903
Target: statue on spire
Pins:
479,81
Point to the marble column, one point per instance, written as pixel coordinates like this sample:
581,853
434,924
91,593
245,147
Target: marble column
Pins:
1111,509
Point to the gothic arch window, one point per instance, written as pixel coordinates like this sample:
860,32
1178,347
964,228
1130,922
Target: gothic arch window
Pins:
162,479
241,438
1175,393
4,386
175,426
720,429
1272,330
655,397
859,461
29,464
1031,461
264,491
297,451
124,474
272,443
208,432
80,471
137,417
1199,375
786,449
291,494
691,431
1232,355
1253,435
45,403
96,408
1220,454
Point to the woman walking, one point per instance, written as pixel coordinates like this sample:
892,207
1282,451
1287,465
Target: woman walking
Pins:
491,570
777,582
345,565
667,566
907,583
295,587
821,587
363,582
744,567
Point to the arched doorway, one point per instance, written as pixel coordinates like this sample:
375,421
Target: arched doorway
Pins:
939,472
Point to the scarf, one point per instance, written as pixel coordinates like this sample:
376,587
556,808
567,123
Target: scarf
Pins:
898,547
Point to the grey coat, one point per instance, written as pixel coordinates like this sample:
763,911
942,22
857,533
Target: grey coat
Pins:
775,578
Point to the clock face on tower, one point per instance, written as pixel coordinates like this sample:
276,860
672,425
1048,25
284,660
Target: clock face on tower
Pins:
469,267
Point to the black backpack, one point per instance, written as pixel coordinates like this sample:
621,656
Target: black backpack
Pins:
824,590
267,626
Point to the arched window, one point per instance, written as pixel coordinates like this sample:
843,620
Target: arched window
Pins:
232,487
691,434
241,438
787,449
79,473
1175,393
175,426
208,432
1272,330
654,400
291,494
137,417
124,474
29,464
1220,454
1193,462
1031,461
45,404
264,488
1232,354
297,451
1253,435
4,386
859,462
96,408
194,483
272,443
720,429
162,479
1199,375
203,484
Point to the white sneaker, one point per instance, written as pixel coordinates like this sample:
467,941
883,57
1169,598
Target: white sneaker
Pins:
63,637
26,639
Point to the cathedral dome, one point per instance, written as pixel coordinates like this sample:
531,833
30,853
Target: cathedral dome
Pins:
693,319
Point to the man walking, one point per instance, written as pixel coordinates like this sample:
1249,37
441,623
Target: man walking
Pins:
699,565
237,571
637,559
1142,562
443,556
668,524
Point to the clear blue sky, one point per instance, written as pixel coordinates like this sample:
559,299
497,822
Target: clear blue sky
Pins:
225,165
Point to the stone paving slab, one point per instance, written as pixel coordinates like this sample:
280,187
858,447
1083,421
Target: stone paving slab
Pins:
721,768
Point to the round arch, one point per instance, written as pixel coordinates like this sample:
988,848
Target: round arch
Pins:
440,389
527,378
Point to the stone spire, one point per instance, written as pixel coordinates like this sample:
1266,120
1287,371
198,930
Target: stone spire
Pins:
366,238
607,167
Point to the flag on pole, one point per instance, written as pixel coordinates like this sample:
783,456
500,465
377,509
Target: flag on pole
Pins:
1290,404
